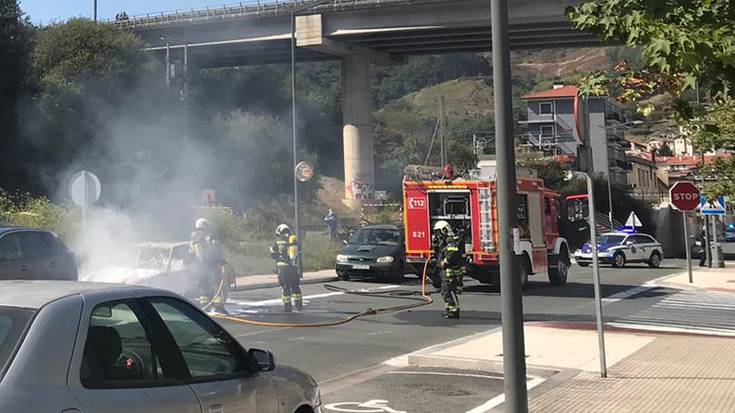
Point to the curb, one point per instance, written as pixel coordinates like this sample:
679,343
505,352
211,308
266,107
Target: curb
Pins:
271,284
459,363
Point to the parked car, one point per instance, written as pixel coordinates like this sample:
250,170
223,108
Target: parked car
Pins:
621,248
374,250
34,254
730,233
94,348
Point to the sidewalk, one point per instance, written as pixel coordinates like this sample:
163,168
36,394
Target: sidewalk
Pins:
252,282
647,371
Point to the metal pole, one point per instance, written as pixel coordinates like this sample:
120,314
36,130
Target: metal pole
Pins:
297,227
715,244
185,91
168,64
596,276
609,200
514,361
442,121
707,243
686,246
95,10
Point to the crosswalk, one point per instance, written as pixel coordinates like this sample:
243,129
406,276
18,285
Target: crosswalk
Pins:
703,312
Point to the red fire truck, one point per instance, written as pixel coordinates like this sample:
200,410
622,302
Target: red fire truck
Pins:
470,206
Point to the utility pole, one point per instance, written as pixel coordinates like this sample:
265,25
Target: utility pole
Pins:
168,65
442,121
185,90
514,354
95,11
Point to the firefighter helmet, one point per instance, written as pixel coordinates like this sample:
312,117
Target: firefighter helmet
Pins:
283,229
443,226
202,223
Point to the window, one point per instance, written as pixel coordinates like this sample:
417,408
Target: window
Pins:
208,351
119,352
9,247
547,131
545,108
13,323
641,239
375,236
33,244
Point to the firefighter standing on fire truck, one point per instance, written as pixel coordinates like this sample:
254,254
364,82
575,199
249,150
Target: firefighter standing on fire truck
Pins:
208,252
452,262
285,251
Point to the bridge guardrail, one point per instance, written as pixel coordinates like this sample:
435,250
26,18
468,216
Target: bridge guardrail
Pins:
242,9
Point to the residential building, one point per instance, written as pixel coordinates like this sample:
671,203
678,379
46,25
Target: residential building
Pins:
559,123
686,167
643,180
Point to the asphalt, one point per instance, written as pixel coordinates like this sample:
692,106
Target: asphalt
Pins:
355,352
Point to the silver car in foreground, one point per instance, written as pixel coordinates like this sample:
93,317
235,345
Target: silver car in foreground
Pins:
71,347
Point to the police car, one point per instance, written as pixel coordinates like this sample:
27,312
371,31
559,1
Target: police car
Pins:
620,248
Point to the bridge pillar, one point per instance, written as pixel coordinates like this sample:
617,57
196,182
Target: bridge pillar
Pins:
357,131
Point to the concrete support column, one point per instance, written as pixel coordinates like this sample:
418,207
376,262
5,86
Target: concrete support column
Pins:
357,132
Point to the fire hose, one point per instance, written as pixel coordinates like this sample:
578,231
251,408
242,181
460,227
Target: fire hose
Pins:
422,300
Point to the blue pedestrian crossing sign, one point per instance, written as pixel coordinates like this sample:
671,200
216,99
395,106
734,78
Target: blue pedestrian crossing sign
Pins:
712,206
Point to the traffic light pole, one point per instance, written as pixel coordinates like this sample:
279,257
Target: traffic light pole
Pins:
514,361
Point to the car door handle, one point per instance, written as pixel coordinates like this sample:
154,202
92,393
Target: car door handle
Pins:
216,408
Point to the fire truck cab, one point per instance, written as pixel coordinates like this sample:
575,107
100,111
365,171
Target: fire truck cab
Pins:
470,206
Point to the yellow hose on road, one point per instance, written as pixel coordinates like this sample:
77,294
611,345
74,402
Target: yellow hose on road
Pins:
424,298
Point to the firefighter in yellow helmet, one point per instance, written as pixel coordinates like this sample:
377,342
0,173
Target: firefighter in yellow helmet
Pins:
208,251
452,263
285,251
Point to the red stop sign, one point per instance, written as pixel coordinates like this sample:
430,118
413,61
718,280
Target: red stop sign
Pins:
684,196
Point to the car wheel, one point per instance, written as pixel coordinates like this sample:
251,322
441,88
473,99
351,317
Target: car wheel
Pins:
558,276
618,260
655,260
583,264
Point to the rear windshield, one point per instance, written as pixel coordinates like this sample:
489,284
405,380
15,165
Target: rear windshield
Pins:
13,323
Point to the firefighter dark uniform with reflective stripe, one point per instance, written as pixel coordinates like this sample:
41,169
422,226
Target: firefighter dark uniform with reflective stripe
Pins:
451,261
285,251
208,252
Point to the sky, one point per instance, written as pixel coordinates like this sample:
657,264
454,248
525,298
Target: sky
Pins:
48,11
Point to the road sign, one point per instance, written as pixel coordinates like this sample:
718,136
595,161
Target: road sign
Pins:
84,188
304,171
685,196
712,206
633,221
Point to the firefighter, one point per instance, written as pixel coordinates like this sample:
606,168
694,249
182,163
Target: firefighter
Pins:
285,251
208,251
451,261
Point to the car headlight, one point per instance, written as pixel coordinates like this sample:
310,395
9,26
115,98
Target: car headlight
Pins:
341,258
384,259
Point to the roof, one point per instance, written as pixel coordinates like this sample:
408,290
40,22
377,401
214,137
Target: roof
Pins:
36,293
562,92
9,229
691,160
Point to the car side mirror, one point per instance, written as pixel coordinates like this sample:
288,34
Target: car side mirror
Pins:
629,243
263,359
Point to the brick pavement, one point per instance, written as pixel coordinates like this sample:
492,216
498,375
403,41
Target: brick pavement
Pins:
671,374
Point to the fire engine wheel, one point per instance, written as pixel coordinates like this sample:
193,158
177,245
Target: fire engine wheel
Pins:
618,260
558,276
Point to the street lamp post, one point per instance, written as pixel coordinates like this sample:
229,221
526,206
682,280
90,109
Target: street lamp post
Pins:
294,133
609,174
595,272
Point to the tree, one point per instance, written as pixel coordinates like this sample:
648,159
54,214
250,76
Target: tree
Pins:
687,45
16,82
664,150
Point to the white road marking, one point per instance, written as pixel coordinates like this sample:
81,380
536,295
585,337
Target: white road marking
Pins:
441,373
500,399
679,329
629,293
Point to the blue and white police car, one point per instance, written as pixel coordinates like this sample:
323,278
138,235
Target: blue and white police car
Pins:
622,247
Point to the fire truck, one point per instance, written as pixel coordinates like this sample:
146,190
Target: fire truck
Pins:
470,206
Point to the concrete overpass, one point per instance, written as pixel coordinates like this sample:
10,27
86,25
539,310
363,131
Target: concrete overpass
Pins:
359,33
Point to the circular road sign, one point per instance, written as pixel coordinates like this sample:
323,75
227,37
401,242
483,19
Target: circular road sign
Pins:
304,171
84,188
684,196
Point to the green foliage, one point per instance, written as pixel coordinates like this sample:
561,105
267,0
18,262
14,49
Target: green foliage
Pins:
38,212
665,150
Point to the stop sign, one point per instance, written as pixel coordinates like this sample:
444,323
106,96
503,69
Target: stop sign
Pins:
684,196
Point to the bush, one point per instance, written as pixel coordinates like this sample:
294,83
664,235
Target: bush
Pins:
26,211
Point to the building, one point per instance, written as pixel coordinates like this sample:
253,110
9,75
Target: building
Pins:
643,178
686,167
559,123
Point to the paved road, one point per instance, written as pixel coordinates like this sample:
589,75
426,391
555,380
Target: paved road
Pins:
341,357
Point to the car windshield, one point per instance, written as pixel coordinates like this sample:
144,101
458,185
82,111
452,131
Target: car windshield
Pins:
376,236
611,239
13,322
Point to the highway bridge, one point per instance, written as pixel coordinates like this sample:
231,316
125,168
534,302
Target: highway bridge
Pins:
359,33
